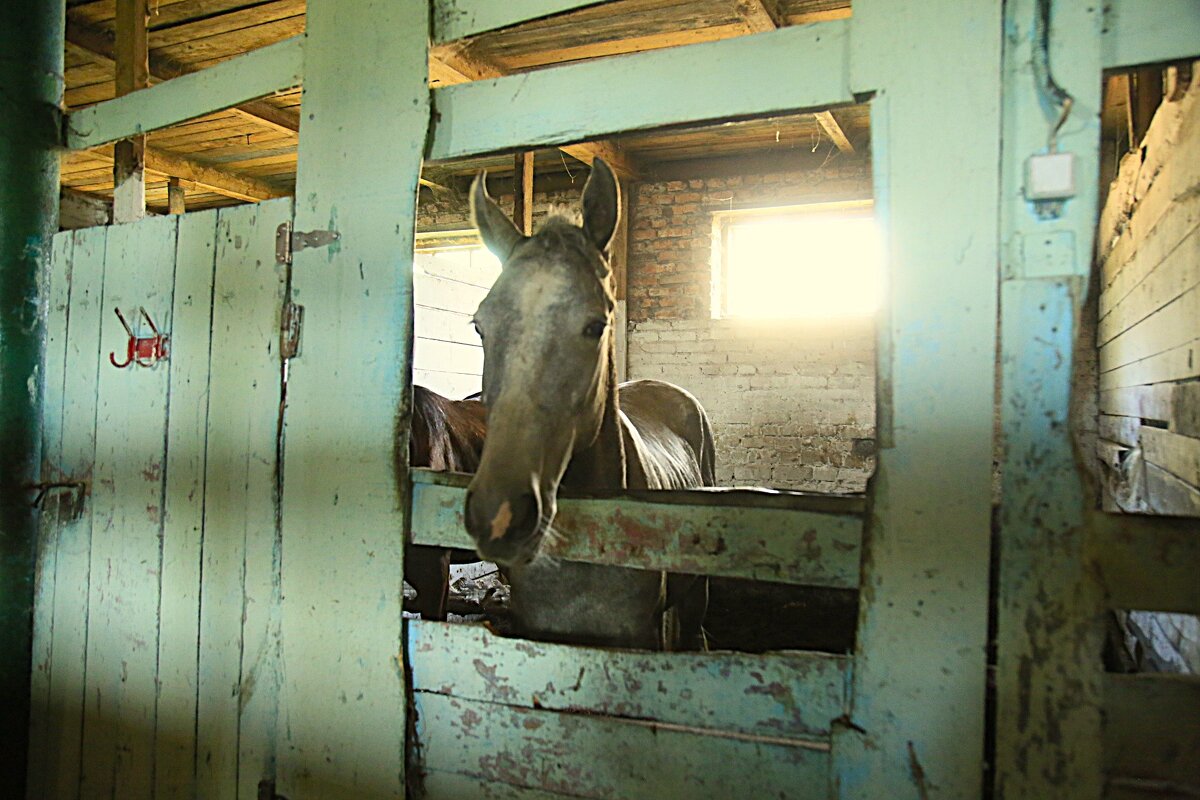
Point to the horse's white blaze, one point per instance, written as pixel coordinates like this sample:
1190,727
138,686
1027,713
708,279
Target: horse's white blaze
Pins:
501,521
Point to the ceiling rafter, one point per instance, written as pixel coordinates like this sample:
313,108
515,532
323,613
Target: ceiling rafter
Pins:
99,46
765,15
760,15
204,176
452,64
834,130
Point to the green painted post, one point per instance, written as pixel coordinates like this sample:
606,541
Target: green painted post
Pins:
1048,686
917,719
31,90
365,118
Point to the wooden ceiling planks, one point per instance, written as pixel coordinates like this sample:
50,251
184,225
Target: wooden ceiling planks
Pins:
199,33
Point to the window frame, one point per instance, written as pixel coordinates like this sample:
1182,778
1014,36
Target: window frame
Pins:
724,219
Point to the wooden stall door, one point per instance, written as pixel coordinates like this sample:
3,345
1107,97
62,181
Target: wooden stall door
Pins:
156,614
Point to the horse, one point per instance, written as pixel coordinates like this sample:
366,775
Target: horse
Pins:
556,417
445,435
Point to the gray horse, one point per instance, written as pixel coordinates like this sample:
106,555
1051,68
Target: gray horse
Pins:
557,417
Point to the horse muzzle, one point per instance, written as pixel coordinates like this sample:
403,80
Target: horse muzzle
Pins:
505,527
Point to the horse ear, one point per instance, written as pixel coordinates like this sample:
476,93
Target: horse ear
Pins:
499,233
601,201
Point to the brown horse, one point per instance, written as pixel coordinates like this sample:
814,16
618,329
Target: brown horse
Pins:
446,435
556,417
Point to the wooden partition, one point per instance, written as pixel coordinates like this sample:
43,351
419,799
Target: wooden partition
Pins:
157,613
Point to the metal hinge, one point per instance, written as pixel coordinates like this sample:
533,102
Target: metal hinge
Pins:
288,241
289,333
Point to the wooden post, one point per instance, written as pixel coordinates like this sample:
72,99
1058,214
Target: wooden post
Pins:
1145,96
132,73
343,500
523,192
175,196
31,83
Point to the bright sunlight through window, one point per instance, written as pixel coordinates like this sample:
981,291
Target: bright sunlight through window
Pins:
815,262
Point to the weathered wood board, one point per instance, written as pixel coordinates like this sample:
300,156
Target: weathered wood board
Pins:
780,696
158,595
1152,729
714,533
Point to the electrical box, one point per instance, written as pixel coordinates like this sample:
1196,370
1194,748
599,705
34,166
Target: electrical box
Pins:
1050,176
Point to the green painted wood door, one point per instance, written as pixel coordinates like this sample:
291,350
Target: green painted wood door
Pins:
156,620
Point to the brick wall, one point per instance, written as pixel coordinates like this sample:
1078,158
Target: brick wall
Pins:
792,404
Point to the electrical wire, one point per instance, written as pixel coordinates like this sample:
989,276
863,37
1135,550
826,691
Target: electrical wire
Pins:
1047,86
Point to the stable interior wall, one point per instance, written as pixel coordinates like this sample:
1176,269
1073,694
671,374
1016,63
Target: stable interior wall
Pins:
1148,333
792,402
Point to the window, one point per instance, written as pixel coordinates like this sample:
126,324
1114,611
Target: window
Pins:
450,278
819,261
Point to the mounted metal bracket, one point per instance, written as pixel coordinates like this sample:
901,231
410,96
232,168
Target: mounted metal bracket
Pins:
289,333
288,241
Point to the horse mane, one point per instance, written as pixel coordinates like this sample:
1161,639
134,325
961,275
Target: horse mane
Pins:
447,435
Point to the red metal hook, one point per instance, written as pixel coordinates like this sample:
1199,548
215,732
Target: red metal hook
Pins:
145,350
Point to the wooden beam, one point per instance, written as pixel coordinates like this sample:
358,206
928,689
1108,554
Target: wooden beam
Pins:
254,74
760,15
176,202
98,45
132,72
82,210
453,64
230,184
523,191
455,19
831,127
699,76
213,179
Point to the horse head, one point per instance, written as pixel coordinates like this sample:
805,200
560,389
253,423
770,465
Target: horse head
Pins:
547,331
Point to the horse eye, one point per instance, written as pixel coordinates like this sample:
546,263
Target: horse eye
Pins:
595,329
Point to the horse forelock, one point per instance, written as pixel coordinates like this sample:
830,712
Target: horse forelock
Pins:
560,239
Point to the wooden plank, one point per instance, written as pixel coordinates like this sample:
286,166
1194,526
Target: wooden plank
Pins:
443,325
833,129
1145,402
80,210
1174,364
255,74
1167,494
1168,281
776,696
703,537
458,19
760,15
64,756
176,201
448,294
238,600
523,194
1046,716
1185,409
127,495
1154,334
465,359
1120,429
599,756
224,182
183,507
1142,33
1152,728
132,73
436,784
697,76
447,384
1177,454
56,287
1146,563
343,504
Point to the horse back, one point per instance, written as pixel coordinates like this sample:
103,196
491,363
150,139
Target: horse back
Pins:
671,436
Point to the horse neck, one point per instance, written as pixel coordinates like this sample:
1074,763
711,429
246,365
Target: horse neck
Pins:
602,465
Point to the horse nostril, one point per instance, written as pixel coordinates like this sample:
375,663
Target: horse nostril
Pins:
525,513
